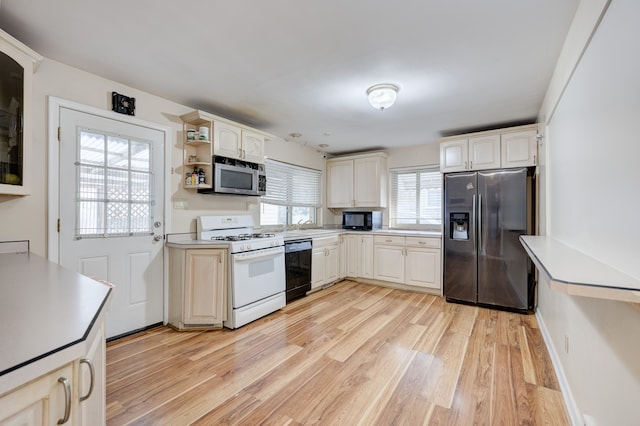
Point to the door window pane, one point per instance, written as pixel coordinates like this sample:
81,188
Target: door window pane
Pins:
114,186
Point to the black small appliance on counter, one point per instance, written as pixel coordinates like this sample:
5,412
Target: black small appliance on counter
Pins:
362,220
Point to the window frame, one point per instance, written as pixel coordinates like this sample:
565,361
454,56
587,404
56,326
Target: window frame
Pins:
286,197
393,190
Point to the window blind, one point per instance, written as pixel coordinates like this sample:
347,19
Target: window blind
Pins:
289,185
416,197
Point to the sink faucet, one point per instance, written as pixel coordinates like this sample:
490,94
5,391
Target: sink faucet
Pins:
300,223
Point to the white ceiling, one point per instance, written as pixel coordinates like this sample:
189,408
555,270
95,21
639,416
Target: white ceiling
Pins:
287,66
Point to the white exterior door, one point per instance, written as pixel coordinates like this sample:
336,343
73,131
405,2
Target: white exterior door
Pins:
111,213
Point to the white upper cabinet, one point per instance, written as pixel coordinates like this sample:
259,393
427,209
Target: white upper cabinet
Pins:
519,149
234,142
339,183
454,155
370,181
227,140
17,65
252,146
504,148
484,152
357,181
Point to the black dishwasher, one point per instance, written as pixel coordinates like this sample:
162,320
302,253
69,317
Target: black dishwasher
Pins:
297,262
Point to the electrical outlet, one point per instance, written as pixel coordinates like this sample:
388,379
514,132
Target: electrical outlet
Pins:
566,344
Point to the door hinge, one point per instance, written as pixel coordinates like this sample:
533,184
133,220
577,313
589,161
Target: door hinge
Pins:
58,225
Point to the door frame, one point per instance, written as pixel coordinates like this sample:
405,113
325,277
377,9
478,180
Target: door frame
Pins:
53,189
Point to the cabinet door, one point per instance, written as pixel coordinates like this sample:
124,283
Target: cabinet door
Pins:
422,267
41,402
227,140
204,286
354,245
318,267
369,182
331,265
388,263
92,382
252,147
340,183
454,156
519,149
342,257
366,257
484,152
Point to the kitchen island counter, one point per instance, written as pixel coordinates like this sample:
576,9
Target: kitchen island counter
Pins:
46,314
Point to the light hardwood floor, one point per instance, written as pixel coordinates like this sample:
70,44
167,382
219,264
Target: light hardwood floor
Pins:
350,354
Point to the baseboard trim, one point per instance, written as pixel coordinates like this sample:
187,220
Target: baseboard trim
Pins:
137,330
572,407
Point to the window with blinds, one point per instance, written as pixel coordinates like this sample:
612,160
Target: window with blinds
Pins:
293,194
416,197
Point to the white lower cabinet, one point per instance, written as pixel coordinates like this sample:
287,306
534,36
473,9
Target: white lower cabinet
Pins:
48,400
389,258
359,256
422,265
342,257
324,261
197,287
366,257
412,261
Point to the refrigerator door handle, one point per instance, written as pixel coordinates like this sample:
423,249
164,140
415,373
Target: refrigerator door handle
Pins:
473,218
479,223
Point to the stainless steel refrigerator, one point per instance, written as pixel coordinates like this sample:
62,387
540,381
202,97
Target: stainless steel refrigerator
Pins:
485,213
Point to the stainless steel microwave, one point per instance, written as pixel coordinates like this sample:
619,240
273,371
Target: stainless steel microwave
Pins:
362,220
237,177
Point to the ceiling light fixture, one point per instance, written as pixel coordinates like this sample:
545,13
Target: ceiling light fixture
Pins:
382,96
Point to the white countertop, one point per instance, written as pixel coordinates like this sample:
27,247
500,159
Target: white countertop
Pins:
573,272
184,242
44,308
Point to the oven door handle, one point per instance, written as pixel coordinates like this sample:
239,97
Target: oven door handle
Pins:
258,254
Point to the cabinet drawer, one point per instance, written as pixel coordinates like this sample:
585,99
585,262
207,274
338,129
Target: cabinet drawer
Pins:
325,241
423,242
388,240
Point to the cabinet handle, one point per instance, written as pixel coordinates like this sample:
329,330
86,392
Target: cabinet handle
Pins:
92,371
534,160
422,242
471,165
67,399
465,165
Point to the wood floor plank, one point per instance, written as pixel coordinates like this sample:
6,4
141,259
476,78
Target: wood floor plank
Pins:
503,396
528,364
348,354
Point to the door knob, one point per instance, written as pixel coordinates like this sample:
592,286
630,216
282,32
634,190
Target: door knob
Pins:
157,224
157,237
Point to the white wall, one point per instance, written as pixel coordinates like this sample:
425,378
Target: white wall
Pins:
593,200
26,217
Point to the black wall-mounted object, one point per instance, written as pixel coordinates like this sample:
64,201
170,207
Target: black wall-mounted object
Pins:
123,104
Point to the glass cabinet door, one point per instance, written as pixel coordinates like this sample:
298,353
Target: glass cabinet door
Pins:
17,65
11,121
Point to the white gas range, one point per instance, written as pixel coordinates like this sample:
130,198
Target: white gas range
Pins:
256,280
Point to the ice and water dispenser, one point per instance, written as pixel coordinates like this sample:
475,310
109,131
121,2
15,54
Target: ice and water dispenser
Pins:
459,226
